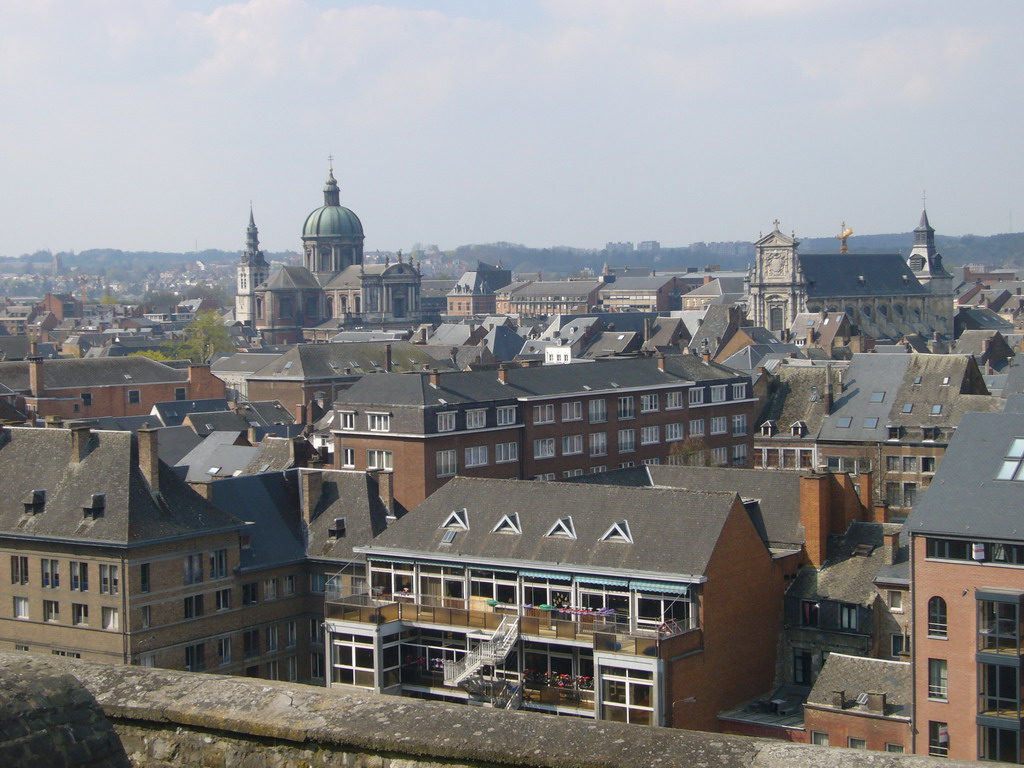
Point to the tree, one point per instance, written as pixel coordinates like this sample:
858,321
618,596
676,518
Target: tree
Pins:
153,354
204,337
109,298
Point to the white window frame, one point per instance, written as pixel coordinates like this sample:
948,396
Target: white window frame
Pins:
373,455
348,457
626,407
476,418
505,453
379,422
597,410
696,396
697,428
649,403
598,443
447,462
347,419
572,410
544,448
572,445
446,421
674,400
719,456
476,456
719,425
544,413
506,415
627,440
739,391
718,393
674,431
650,435
739,424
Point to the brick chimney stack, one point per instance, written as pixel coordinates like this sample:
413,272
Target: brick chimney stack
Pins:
36,383
387,358
839,699
386,486
661,361
149,456
312,483
81,434
876,702
503,373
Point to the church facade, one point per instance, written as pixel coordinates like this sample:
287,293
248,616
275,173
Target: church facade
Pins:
885,296
333,285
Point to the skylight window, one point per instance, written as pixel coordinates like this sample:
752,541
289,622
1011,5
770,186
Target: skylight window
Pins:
844,422
213,470
449,536
458,519
618,532
917,379
870,423
563,529
908,407
1013,465
936,410
878,397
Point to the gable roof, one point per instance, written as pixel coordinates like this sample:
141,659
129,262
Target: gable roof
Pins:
845,576
172,414
674,531
290,278
856,675
332,361
79,373
858,274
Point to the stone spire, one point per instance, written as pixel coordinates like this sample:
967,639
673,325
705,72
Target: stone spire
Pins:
252,254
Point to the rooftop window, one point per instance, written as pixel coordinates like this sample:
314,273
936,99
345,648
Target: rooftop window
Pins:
908,407
844,422
936,410
1012,468
877,397
870,423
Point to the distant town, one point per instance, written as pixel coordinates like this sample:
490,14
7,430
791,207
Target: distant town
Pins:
768,488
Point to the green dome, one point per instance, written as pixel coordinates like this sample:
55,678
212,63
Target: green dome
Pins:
331,220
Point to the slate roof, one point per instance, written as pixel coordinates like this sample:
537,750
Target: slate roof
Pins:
270,503
241,362
981,318
219,449
858,674
173,413
720,286
474,386
674,532
885,274
964,497
844,576
290,278
798,394
645,283
132,513
503,342
79,373
354,496
330,361
217,421
265,412
750,357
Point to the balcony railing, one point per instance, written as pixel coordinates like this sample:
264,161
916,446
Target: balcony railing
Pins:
604,630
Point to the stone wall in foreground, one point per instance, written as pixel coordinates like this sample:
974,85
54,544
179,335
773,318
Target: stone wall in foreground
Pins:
165,718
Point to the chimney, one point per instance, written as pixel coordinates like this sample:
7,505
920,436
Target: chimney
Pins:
814,515
312,483
661,361
890,548
36,383
300,413
387,358
503,373
876,702
423,335
251,436
53,422
80,436
647,329
706,357
435,378
386,486
149,455
829,395
194,374
839,699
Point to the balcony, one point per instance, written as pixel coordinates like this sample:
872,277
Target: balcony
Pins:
602,631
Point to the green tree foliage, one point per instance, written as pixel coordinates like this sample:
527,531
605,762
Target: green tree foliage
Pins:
153,354
109,299
205,337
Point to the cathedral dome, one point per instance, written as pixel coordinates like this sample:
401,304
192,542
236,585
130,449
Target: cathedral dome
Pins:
332,218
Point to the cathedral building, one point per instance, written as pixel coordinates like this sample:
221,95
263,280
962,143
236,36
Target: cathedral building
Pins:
333,283
885,296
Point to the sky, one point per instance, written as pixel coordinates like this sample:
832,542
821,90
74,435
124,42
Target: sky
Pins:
152,124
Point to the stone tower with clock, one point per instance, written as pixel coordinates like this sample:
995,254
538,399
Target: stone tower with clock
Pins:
252,271
775,286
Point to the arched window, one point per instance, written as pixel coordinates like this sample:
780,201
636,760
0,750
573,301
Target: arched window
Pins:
937,621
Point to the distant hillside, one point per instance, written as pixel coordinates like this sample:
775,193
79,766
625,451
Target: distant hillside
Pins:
994,250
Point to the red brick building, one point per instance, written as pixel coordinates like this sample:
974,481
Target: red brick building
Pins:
91,388
543,422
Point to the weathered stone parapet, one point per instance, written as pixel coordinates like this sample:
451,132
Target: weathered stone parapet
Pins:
170,718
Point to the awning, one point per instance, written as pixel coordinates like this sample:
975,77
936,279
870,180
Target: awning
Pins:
546,575
489,568
601,581
375,559
658,586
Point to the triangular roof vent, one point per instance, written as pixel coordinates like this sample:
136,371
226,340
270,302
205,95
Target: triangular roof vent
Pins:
458,519
508,524
563,528
618,532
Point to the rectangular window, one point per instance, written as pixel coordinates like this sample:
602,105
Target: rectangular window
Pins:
292,668
718,393
848,617
109,580
649,435
195,657
193,565
598,411
144,583
223,598
938,739
506,415
377,459
193,606
179,393
224,650
291,634
317,582
938,679
627,407
86,398
696,396
673,431
544,414
347,419
379,422
900,645
21,607
697,428
627,440
19,569
598,444
855,743
476,456
289,584
270,589
927,463
544,448
79,614
719,425
316,665
348,457
147,617
51,610
110,618
892,463
897,748
51,573
673,400
739,425
739,455
739,391
572,411
894,598
219,564
447,463
476,418
719,457
272,638
316,631
648,403
250,593
909,494
251,643
506,452
819,738
446,421
572,445
910,463
134,396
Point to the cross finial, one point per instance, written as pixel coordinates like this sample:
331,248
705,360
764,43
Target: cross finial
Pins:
924,199
330,161
776,223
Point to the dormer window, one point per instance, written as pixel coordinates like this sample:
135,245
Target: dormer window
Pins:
618,532
798,429
35,502
508,524
563,529
894,432
97,503
769,428
337,531
457,520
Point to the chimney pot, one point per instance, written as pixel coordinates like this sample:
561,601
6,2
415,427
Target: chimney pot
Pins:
876,702
839,699
503,373
661,361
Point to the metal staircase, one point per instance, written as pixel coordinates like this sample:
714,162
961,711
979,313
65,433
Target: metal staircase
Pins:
488,653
